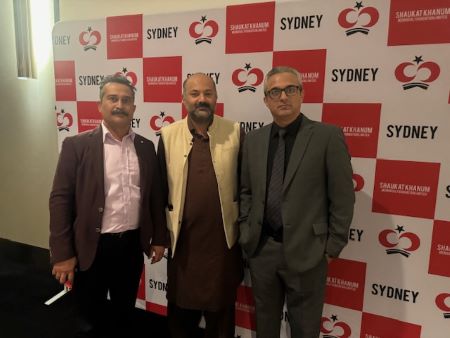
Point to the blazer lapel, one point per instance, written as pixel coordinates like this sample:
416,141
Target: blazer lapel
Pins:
298,151
140,152
97,154
261,153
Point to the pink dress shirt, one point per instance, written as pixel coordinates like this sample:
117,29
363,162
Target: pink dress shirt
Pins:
122,183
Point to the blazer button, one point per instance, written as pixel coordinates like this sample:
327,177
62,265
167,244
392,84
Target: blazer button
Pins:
100,210
98,229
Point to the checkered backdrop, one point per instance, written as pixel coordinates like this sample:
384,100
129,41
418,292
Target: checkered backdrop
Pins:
378,69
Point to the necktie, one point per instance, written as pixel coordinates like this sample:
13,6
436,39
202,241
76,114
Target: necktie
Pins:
275,192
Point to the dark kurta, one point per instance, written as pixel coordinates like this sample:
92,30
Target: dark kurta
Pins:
204,273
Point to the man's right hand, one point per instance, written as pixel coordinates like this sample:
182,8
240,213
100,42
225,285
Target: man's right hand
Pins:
65,270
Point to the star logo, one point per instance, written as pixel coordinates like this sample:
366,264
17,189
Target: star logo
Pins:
400,228
418,59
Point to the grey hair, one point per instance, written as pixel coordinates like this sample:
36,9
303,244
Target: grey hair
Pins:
282,69
116,78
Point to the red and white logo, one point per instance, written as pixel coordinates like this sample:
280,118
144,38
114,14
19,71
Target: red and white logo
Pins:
417,73
311,65
405,188
162,79
64,120
130,75
245,308
247,78
65,86
399,241
418,22
88,115
443,303
345,284
334,328
159,121
358,19
124,36
250,28
203,30
90,39
383,327
440,249
358,182
360,123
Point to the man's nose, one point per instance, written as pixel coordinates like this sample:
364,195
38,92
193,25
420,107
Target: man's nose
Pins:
283,95
120,103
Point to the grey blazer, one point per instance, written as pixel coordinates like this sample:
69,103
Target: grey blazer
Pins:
318,195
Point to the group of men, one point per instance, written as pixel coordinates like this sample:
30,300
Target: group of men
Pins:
281,196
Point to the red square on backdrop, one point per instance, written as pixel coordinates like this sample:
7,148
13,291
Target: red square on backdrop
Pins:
311,65
156,308
219,110
141,289
440,249
405,188
418,22
124,36
162,79
360,123
383,327
65,86
250,28
88,115
345,284
245,308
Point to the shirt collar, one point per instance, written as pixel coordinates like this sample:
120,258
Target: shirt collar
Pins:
192,127
106,133
291,129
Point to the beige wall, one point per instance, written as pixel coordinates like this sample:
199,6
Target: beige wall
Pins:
28,149
28,145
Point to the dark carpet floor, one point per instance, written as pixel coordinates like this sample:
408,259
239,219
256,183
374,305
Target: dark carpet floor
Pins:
26,283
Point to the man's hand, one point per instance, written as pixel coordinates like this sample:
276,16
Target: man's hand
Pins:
65,270
156,253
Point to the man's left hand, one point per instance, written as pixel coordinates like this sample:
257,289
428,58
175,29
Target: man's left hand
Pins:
156,253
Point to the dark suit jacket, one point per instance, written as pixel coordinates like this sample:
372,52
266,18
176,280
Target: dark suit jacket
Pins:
318,195
77,199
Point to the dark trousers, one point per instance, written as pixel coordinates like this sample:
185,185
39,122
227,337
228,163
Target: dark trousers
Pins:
116,269
183,323
273,282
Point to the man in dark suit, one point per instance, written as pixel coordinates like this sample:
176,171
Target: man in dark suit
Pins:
106,209
296,208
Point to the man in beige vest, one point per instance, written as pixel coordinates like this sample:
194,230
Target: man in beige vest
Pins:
199,157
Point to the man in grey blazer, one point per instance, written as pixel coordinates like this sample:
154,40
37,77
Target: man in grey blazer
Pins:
290,235
106,209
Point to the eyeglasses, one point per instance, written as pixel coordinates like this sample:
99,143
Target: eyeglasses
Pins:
275,93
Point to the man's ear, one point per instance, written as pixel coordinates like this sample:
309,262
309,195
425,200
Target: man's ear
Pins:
265,101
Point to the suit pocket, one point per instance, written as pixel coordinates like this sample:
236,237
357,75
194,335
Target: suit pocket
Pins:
320,228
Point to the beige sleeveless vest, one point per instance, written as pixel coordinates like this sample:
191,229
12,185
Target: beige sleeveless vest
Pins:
224,139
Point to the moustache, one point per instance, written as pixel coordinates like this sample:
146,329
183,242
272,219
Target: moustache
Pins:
119,112
202,105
